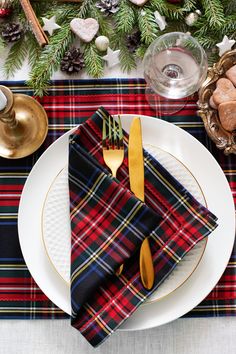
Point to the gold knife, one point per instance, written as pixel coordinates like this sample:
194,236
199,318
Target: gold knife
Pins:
136,177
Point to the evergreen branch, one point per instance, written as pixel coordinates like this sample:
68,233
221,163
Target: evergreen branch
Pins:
229,6
189,5
85,7
147,26
212,58
175,12
201,27
2,44
125,17
16,57
159,5
207,42
140,51
214,12
16,6
176,26
219,17
93,61
105,25
41,7
61,12
49,60
229,25
127,59
34,50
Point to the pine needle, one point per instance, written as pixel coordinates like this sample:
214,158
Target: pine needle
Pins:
158,5
175,12
140,51
214,12
127,59
85,7
125,17
229,6
229,25
49,60
16,57
218,18
147,26
189,5
105,25
2,44
34,50
93,61
212,58
207,42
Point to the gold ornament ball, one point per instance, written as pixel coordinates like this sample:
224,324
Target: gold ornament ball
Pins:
102,43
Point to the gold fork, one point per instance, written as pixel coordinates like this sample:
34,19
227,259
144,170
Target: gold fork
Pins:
112,144
113,149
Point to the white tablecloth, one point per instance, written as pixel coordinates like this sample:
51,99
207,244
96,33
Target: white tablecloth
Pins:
183,336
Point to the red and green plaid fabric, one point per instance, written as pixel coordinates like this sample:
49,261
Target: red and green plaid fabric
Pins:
69,103
108,223
107,232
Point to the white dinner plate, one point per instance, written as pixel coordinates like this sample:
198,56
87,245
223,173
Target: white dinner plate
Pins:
214,187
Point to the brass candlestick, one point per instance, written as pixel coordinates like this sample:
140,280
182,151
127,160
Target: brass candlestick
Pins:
23,125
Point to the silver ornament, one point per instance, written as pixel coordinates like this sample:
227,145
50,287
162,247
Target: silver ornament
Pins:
102,43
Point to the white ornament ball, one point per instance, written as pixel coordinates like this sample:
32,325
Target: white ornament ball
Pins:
102,43
191,18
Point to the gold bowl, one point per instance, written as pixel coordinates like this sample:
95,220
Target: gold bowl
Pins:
223,139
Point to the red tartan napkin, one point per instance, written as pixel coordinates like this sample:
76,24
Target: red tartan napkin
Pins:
108,225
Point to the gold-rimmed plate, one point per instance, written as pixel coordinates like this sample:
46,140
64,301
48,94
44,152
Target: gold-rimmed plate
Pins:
215,189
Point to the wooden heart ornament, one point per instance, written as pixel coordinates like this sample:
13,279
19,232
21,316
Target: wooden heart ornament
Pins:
86,29
224,92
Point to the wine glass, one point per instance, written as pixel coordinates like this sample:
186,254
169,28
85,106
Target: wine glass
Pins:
175,66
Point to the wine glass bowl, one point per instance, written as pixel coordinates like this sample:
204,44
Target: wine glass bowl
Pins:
175,66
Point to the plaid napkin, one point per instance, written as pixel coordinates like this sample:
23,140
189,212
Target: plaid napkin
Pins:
108,224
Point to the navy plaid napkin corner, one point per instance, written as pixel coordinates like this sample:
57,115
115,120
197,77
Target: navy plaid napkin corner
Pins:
108,225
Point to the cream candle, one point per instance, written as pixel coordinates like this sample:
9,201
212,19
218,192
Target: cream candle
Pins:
3,100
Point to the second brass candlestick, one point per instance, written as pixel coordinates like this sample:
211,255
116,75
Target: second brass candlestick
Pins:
23,125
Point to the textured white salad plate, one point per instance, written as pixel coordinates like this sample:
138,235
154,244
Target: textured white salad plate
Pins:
200,173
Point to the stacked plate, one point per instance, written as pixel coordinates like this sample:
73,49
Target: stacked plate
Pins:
44,224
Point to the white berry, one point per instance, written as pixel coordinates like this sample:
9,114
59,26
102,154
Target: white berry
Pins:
102,43
191,18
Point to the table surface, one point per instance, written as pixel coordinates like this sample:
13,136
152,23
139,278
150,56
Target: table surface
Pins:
190,336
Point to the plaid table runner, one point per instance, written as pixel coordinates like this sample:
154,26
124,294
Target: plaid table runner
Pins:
67,104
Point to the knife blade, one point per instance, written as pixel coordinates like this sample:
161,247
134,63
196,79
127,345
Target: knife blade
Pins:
136,178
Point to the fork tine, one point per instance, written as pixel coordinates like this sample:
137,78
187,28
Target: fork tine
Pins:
114,138
120,133
104,133
109,132
115,142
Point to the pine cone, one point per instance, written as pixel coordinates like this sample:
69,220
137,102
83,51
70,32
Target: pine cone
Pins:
11,32
73,61
133,41
108,7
